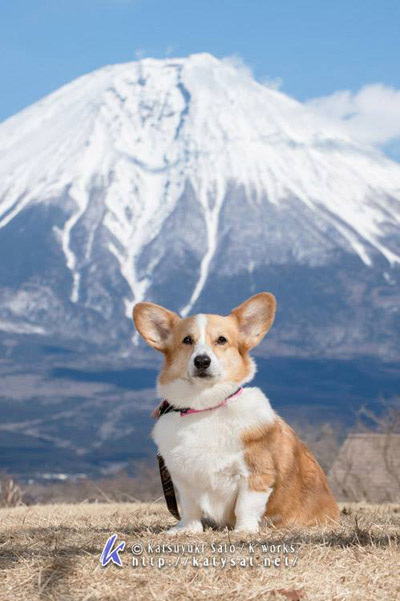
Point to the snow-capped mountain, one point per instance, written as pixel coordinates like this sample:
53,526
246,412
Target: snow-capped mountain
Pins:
187,182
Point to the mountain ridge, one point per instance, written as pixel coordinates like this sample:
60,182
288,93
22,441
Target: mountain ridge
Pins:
173,179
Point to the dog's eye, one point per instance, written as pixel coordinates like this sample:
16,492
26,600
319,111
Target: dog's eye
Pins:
222,340
187,340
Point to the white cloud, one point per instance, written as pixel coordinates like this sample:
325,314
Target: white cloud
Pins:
237,62
275,83
371,115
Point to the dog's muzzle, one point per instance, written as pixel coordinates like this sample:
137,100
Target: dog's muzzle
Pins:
202,364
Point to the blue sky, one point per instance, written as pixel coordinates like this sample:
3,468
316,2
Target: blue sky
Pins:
314,48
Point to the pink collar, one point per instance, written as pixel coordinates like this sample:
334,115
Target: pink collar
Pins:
238,392
166,407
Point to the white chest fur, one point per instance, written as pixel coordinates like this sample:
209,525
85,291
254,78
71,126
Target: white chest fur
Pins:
204,453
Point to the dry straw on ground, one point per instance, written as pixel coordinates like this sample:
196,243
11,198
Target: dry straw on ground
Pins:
52,552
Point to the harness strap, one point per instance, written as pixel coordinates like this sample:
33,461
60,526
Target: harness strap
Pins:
168,488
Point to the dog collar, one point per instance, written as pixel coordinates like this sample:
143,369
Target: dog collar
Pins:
165,407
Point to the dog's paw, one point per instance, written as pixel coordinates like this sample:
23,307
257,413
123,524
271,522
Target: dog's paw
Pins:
180,528
249,527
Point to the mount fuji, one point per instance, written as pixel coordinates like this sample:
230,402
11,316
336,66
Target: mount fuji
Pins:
188,183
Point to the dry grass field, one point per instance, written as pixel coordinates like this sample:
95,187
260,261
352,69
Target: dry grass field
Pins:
52,552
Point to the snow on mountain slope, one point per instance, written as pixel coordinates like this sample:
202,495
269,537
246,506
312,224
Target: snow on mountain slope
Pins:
156,178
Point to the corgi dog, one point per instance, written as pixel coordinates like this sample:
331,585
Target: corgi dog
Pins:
233,461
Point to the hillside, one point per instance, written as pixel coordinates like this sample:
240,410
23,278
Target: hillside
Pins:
187,182
52,552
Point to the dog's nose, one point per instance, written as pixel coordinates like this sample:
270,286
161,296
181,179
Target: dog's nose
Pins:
202,361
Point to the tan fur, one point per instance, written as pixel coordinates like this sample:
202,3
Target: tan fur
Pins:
176,354
155,324
254,318
277,459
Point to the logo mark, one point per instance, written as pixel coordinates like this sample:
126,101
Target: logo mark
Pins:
110,554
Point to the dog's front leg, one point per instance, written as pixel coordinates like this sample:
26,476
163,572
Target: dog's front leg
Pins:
250,507
191,513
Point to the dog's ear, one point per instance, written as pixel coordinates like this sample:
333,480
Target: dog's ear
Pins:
154,323
255,317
